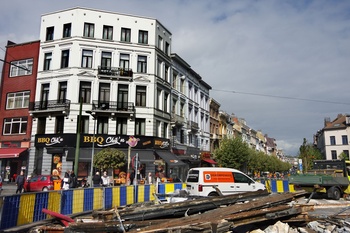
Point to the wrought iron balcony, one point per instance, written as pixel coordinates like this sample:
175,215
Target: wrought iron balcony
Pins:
113,106
52,107
114,72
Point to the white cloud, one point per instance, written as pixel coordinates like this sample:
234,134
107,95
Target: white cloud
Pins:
298,49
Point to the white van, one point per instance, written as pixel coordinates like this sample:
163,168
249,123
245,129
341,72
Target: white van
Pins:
210,181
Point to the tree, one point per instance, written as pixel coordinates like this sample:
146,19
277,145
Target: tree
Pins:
344,156
233,153
109,158
308,153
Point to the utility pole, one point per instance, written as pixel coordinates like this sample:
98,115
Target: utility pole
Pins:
77,144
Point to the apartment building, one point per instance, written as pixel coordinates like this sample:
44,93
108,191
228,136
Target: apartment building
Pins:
17,89
333,139
105,79
189,113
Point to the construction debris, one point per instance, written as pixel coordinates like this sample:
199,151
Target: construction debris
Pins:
246,212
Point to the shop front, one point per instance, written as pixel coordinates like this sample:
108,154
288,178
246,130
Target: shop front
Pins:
58,153
12,161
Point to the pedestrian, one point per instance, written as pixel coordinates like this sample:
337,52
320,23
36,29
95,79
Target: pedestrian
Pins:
65,181
73,180
14,177
150,178
105,179
20,182
96,180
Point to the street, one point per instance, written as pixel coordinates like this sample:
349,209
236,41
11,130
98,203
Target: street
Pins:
8,188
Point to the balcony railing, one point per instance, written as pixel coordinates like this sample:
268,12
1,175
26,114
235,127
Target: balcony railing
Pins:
177,120
113,106
114,71
192,125
50,105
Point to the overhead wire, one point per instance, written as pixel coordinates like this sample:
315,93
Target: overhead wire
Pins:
282,97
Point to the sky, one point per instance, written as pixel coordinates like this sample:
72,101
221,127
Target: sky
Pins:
282,65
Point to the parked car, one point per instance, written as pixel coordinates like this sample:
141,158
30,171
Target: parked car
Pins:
40,183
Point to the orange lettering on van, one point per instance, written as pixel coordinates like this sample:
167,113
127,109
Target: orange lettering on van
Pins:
217,176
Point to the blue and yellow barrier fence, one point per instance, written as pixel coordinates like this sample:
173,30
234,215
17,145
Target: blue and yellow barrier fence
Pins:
25,208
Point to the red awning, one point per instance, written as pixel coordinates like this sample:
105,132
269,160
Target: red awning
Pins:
209,161
7,153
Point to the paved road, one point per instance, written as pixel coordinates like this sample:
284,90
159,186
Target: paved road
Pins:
8,189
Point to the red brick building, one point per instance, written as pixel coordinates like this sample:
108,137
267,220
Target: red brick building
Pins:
17,90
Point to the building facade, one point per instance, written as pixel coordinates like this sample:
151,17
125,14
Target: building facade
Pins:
333,139
18,82
190,113
104,79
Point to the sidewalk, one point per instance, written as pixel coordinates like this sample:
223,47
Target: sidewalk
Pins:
8,188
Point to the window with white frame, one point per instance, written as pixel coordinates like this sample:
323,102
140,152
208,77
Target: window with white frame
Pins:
125,34
143,37
67,29
142,64
160,42
85,91
21,67
159,98
122,125
16,125
334,154
18,100
140,96
59,125
140,126
107,32
106,60
174,80
182,109
86,61
165,103
165,130
89,30
102,125
332,140
158,128
49,33
182,86
167,48
65,58
47,61
344,139
124,61
166,73
159,68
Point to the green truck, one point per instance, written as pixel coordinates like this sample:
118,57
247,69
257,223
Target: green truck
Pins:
326,176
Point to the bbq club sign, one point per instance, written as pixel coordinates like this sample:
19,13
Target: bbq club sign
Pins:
102,141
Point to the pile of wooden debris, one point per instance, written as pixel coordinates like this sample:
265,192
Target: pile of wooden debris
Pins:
234,213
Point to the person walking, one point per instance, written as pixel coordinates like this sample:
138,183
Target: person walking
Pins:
73,180
20,182
105,179
65,181
150,178
96,180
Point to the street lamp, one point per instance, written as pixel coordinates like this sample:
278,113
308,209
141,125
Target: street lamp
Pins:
93,146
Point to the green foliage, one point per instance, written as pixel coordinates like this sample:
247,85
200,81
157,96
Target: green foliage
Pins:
343,156
308,153
235,153
109,158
